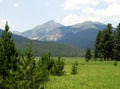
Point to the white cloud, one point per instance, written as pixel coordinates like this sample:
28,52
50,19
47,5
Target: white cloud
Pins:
78,4
2,23
15,5
112,1
71,19
90,10
112,10
74,19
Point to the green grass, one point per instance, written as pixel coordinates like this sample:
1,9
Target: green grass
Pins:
91,75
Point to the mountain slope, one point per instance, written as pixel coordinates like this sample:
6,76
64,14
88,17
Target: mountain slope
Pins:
41,32
81,35
45,47
16,32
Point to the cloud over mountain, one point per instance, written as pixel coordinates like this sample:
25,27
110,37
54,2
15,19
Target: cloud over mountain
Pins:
95,10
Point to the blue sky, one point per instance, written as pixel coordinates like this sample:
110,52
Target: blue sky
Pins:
26,14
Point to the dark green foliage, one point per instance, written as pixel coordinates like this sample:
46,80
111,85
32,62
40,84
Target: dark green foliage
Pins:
17,72
58,67
107,45
88,54
8,59
52,47
55,67
108,42
29,52
47,61
104,43
29,56
35,73
115,63
42,87
116,48
98,45
74,68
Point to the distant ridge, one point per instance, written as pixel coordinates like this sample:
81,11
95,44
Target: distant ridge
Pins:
80,35
16,32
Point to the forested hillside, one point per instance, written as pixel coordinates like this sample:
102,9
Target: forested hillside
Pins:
40,47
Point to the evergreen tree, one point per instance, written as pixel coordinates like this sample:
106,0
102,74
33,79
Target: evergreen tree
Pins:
58,67
36,72
48,61
104,43
8,58
98,45
17,72
116,48
29,54
107,41
88,54
74,68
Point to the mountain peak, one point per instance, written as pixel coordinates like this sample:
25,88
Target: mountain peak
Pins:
52,22
88,23
48,25
92,22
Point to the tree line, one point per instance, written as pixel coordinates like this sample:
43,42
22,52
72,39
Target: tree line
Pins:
107,44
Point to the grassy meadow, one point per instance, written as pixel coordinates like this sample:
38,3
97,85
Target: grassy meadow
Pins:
91,75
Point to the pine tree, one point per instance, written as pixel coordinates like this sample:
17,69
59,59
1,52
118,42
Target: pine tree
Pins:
74,68
88,54
8,57
98,45
29,54
116,48
36,72
107,41
48,61
58,67
104,43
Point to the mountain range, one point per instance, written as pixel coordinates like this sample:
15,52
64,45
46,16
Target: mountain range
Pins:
80,35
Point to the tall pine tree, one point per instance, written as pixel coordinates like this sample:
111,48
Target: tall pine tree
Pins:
117,43
104,43
107,40
8,57
98,46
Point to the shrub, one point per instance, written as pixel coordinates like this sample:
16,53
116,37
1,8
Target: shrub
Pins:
47,61
58,67
74,68
88,54
115,63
